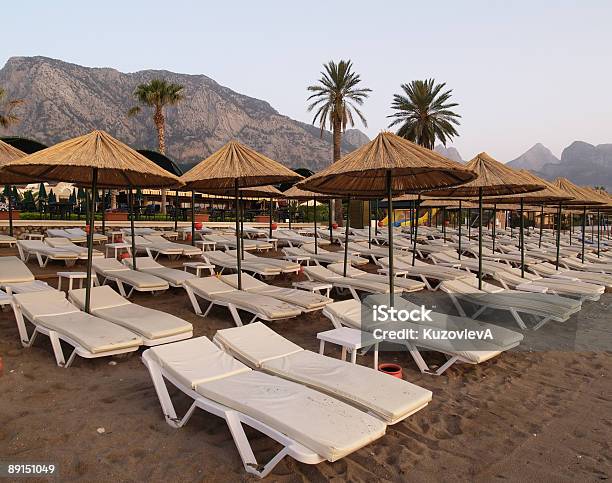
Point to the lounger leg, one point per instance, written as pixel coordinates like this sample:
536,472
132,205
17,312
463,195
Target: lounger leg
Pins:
457,305
21,327
194,301
446,365
57,349
71,358
479,311
121,288
418,358
520,322
41,263
545,320
354,294
236,315
246,452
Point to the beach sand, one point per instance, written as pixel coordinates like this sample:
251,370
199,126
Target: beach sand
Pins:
528,414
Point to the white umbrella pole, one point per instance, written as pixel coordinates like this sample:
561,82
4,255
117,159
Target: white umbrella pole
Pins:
94,186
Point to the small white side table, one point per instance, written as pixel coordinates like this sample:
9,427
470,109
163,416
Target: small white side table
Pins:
117,248
351,340
198,267
398,273
273,241
70,276
206,245
114,236
33,236
314,287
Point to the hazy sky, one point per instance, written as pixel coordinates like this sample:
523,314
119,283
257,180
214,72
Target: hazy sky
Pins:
523,71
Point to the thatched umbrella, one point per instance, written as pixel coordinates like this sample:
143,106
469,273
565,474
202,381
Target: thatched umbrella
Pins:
549,195
494,179
97,160
232,167
295,193
385,166
9,153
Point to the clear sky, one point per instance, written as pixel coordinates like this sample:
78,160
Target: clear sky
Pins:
522,71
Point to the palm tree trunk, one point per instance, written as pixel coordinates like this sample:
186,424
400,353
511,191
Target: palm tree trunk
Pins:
337,140
160,122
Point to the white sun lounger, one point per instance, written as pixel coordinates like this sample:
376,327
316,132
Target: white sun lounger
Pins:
389,398
61,233
544,307
16,277
52,315
547,269
153,326
160,244
153,250
113,270
217,292
292,238
348,313
66,244
431,275
174,277
325,256
44,253
322,274
285,266
406,284
307,301
576,264
7,240
229,242
310,426
226,261
79,232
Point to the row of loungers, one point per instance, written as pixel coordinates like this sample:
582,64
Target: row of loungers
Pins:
156,245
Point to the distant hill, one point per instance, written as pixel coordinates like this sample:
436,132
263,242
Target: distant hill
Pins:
534,158
449,152
64,100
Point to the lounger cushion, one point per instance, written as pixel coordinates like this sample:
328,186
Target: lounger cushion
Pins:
139,280
196,361
51,302
329,427
13,270
255,343
91,332
172,275
268,307
207,287
36,246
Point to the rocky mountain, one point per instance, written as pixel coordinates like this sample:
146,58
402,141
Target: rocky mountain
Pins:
534,158
449,152
64,100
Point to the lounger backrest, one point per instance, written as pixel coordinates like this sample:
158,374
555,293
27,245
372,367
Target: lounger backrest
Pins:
76,231
248,281
47,302
13,270
56,232
58,242
255,343
321,273
156,239
108,265
351,271
142,263
209,286
196,361
102,297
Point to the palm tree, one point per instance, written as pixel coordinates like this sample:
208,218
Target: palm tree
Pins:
424,112
335,98
7,116
158,94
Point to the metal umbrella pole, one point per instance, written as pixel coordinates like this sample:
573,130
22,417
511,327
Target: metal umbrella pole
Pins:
390,232
238,238
494,224
460,223
90,237
241,212
598,230
132,230
583,230
10,207
541,225
289,205
316,235
192,218
270,224
444,224
571,230
558,236
331,228
176,209
522,237
479,238
369,224
346,233
103,213
416,228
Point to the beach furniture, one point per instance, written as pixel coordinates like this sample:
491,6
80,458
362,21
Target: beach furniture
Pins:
54,316
292,238
16,277
389,398
174,277
44,253
308,425
322,274
546,269
323,256
66,244
285,266
226,261
544,307
347,313
431,275
576,264
112,270
407,284
307,301
160,245
153,326
7,240
79,232
153,250
217,292
230,242
61,233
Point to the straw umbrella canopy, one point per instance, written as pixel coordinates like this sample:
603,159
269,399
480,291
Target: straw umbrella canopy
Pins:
494,179
97,160
232,167
9,153
386,166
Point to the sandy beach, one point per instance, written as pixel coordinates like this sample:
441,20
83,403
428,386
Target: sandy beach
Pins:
542,411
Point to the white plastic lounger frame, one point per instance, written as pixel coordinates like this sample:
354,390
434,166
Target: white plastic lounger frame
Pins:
45,253
115,276
234,419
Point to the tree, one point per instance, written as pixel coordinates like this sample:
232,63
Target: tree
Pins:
424,112
335,98
158,94
7,108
